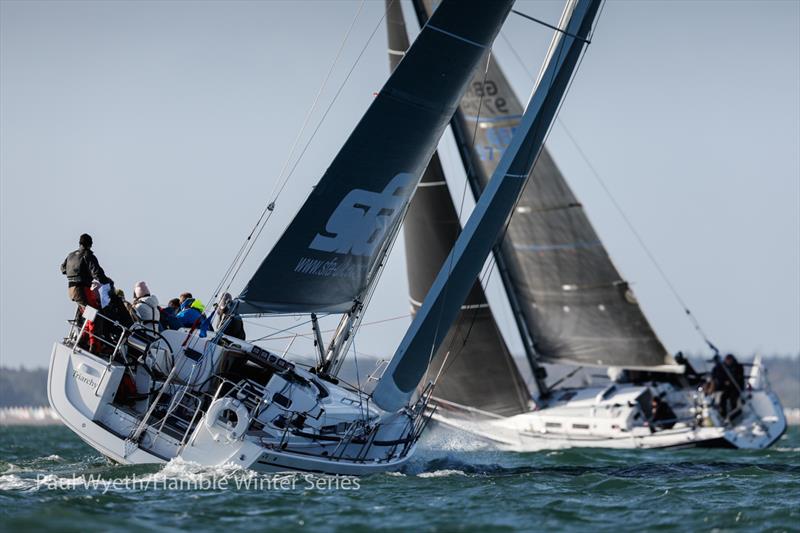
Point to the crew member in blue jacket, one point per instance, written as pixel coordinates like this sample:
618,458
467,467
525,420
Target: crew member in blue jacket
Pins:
191,312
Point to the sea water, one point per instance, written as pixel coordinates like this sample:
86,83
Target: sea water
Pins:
51,480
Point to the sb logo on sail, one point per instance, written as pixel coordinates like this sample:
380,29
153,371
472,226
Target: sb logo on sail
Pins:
360,221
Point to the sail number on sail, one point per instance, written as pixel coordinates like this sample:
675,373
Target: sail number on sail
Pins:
486,90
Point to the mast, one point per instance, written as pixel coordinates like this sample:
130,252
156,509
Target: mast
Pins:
474,366
474,170
487,220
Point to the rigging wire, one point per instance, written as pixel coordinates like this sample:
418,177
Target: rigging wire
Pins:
311,138
266,214
314,106
277,331
332,330
547,25
695,323
628,222
269,208
284,330
358,383
451,258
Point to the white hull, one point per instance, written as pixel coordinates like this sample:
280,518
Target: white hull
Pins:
293,422
611,417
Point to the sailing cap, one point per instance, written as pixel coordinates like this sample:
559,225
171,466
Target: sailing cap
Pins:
141,289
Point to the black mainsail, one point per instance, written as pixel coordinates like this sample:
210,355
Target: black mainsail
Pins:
327,257
431,227
570,302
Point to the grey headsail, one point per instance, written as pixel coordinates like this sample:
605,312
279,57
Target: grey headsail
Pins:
570,302
492,210
325,258
431,228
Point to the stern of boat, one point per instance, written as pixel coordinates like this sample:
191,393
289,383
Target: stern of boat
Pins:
762,421
80,387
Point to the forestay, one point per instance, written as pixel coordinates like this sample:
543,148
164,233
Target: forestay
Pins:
326,258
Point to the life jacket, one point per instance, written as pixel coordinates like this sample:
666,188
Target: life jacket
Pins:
147,311
197,304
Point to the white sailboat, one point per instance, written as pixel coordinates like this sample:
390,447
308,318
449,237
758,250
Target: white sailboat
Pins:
213,399
571,308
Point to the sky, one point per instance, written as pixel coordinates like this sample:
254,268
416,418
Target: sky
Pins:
161,127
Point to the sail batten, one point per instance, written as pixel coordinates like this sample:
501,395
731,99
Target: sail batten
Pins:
326,258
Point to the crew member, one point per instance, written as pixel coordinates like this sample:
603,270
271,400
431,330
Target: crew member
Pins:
82,267
145,307
728,379
191,313
235,325
169,315
663,416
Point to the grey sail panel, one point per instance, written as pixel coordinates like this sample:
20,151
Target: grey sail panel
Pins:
431,227
578,307
571,298
327,255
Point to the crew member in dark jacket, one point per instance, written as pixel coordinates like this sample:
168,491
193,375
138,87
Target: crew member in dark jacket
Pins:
81,267
235,327
728,379
663,415
169,315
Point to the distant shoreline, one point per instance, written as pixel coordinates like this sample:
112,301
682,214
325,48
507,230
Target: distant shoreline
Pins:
28,416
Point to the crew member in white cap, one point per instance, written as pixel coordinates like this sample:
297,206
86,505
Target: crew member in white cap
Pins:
145,307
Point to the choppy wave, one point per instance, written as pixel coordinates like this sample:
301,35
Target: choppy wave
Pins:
442,473
48,477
